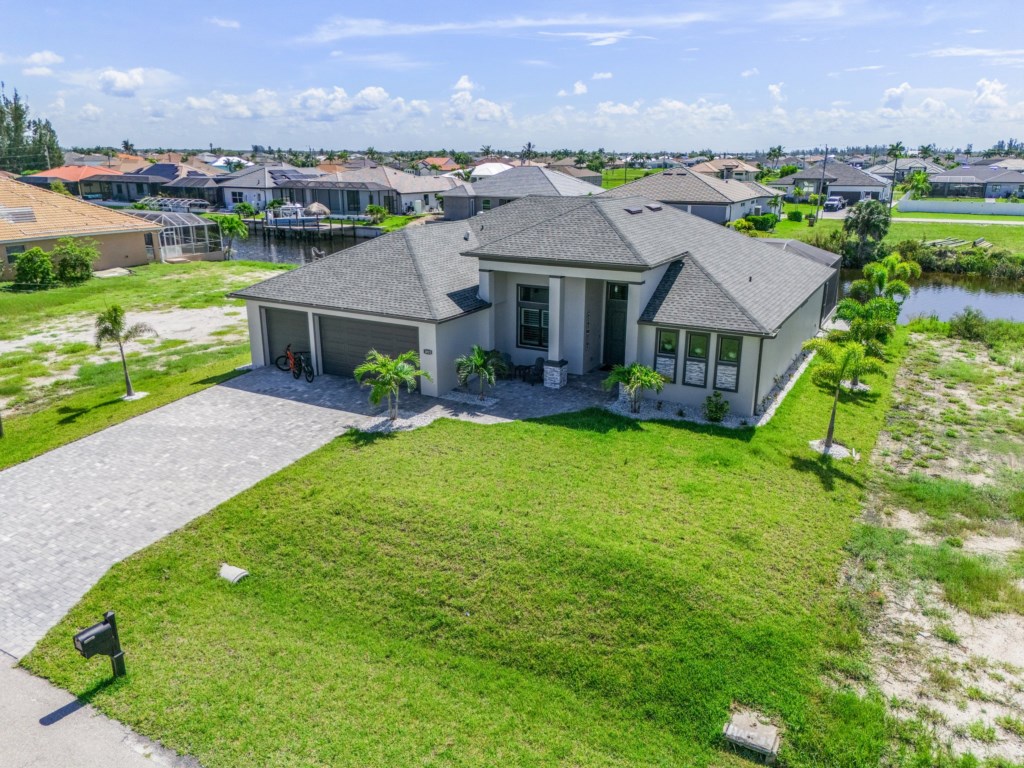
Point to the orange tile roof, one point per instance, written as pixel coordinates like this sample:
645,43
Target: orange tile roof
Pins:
76,172
28,212
445,163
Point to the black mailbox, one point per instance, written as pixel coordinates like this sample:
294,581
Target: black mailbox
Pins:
102,640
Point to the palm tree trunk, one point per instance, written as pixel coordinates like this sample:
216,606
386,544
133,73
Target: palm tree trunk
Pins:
830,436
481,385
394,408
129,392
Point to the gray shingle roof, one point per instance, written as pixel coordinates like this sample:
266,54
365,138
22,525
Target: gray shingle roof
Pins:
415,273
530,180
837,173
808,251
682,186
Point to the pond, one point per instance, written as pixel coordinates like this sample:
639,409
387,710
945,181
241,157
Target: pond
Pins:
286,251
944,295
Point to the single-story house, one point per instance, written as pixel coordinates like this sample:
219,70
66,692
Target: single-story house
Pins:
1005,184
711,198
80,180
486,169
728,168
839,179
31,217
349,193
583,174
256,184
494,191
436,166
905,166
579,283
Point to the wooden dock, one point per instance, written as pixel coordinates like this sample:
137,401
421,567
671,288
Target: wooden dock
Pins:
310,231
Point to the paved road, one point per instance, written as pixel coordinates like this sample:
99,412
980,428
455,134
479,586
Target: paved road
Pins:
43,726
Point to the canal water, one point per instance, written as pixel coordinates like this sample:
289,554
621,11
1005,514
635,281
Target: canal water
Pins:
256,248
944,295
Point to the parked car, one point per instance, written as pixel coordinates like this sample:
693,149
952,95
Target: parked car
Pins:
835,203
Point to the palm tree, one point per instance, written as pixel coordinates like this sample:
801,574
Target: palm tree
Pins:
387,375
111,326
580,159
838,363
774,155
867,220
486,365
127,147
918,184
895,151
486,150
634,378
926,150
886,278
231,228
872,324
528,152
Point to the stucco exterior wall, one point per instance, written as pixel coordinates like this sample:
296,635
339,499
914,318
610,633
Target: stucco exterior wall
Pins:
126,249
458,208
779,353
454,338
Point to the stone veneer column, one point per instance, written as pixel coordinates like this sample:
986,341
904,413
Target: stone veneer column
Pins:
556,370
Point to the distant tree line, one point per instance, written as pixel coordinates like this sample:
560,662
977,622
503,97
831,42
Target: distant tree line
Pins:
26,143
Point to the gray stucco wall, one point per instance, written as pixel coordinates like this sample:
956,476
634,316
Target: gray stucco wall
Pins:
452,339
779,353
457,208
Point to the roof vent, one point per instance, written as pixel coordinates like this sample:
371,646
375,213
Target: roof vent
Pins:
653,207
17,215
466,236
634,211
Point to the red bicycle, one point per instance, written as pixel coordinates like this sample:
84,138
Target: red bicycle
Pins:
299,363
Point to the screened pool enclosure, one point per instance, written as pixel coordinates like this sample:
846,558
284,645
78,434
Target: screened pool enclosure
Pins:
183,235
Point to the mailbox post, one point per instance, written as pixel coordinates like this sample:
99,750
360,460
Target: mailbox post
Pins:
102,640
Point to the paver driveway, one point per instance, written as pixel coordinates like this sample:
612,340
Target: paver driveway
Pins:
70,514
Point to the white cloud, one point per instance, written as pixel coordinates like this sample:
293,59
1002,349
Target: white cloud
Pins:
966,52
807,10
199,103
618,108
601,38
752,72
464,84
89,113
124,83
43,59
989,95
602,76
349,27
37,71
579,88
392,61
118,83
775,90
893,97
463,110
537,63
866,68
224,23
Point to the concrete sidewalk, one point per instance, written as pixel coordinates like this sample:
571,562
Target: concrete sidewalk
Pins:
45,727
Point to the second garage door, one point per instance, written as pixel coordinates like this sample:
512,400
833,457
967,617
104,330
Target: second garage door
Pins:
284,327
344,342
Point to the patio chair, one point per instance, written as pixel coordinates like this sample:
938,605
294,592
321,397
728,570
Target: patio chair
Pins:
510,370
536,374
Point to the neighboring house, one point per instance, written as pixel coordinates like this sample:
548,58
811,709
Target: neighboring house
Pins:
904,167
860,162
494,191
194,188
80,180
583,174
728,168
1010,164
976,181
839,179
788,160
256,184
31,216
487,169
576,282
436,165
230,161
711,198
351,192
1005,184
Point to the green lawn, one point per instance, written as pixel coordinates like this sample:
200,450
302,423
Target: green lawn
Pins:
896,214
40,417
1010,238
619,176
580,590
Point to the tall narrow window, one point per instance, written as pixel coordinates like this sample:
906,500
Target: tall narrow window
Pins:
695,367
666,351
532,306
486,204
727,365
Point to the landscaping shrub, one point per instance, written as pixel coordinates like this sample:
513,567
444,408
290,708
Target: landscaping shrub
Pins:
796,216
34,269
764,223
73,260
715,407
743,226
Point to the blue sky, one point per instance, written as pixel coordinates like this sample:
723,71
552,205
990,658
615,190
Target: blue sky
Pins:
644,76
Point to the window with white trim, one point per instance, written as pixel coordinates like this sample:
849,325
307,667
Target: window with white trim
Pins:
727,363
532,307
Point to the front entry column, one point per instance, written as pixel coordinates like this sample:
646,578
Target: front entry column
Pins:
556,370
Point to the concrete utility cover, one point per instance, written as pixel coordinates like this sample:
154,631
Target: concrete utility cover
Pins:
753,731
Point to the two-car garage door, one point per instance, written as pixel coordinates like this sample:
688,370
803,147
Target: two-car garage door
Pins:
344,342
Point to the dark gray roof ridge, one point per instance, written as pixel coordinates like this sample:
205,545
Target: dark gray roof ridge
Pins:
409,247
622,237
728,294
515,232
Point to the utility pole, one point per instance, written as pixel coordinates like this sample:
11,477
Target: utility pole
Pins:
821,187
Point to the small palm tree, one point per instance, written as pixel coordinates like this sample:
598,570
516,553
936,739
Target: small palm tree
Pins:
895,151
386,376
918,184
635,378
231,228
838,363
887,278
486,365
871,325
867,220
111,326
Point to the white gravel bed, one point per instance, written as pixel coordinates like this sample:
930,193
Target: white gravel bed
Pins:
468,398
